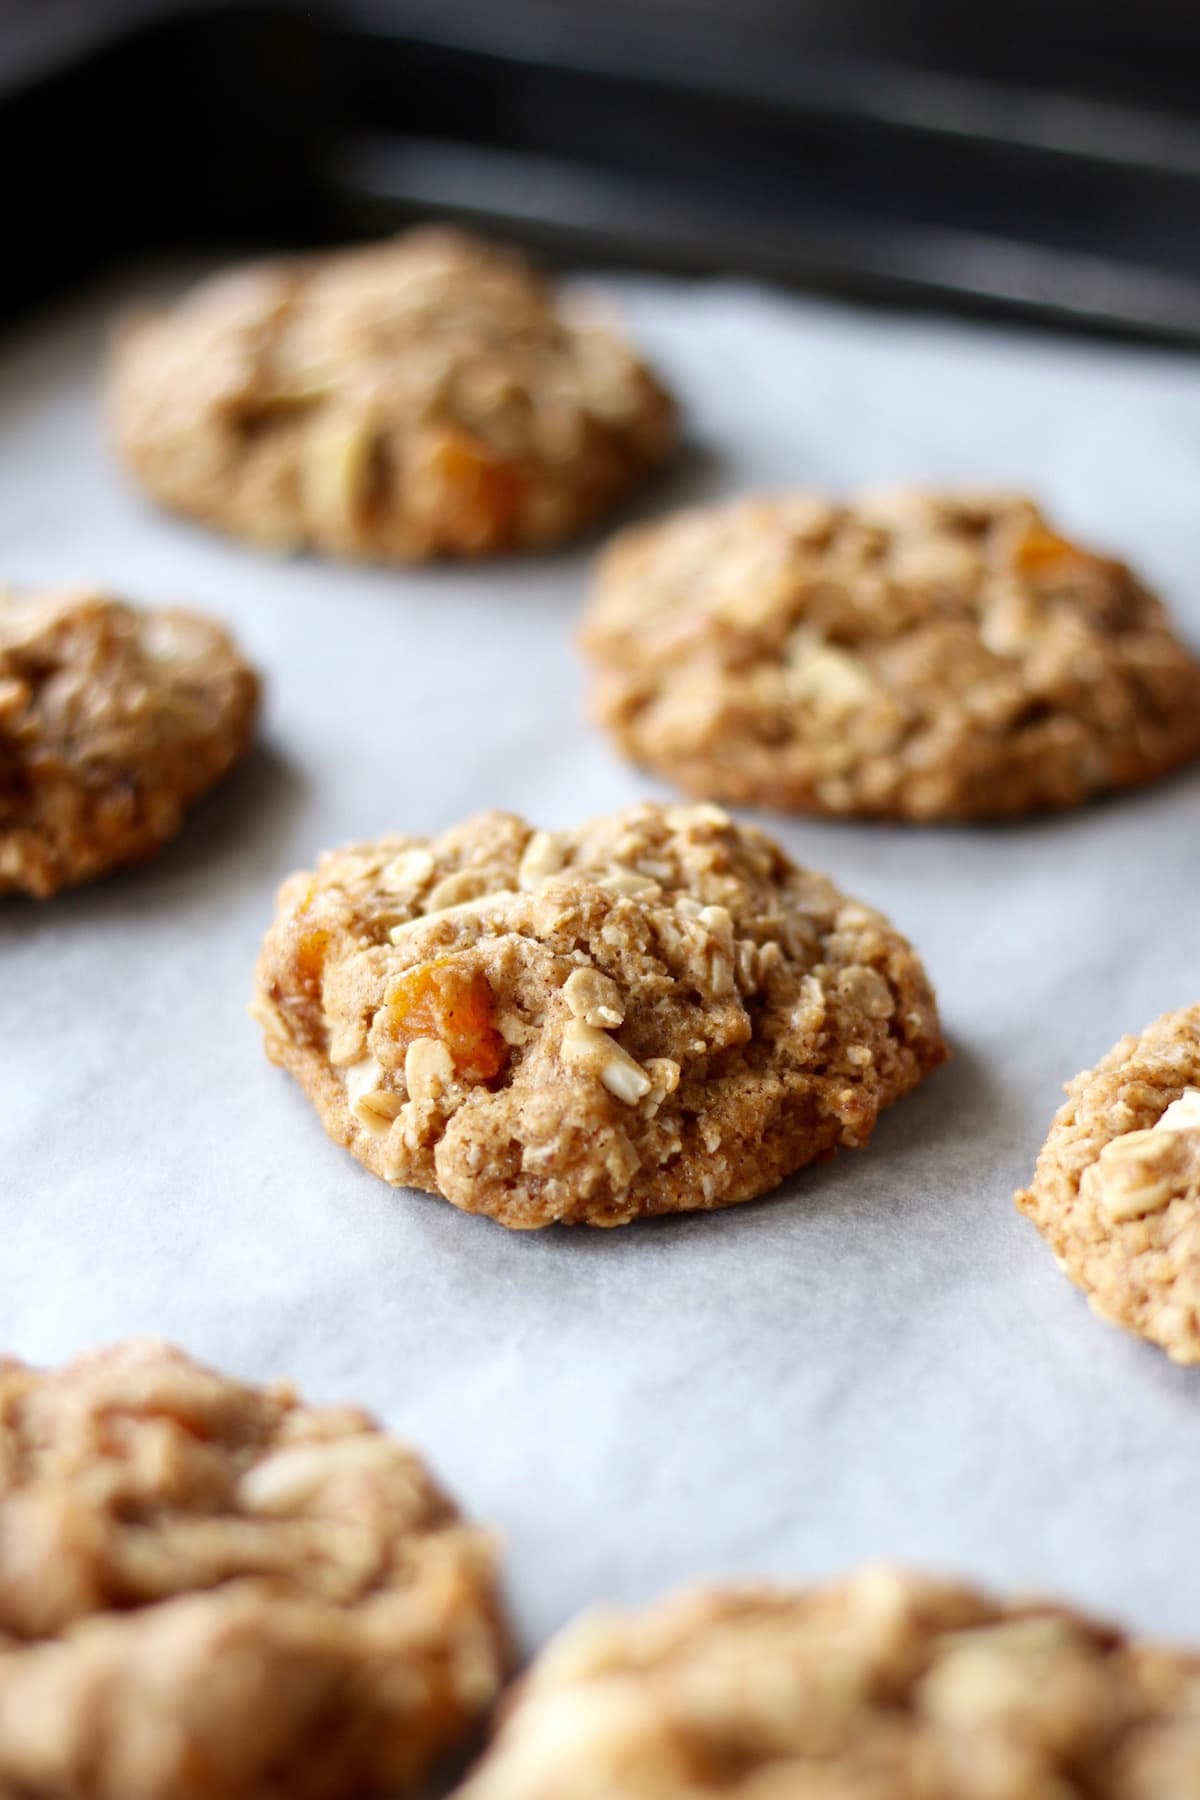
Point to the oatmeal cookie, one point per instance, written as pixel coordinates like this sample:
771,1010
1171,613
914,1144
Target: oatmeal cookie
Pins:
425,397
1116,1191
656,1012
886,1686
909,655
112,721
214,1592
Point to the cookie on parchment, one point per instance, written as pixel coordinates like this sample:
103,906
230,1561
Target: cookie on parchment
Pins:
911,655
655,1012
210,1591
886,1686
1116,1191
425,397
113,719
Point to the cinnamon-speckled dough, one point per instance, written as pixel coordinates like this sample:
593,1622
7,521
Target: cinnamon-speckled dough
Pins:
1116,1191
424,397
912,655
112,721
886,1686
210,1591
655,1012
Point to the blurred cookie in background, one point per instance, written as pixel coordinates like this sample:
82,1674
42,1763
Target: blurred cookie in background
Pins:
213,1591
113,720
884,1686
429,396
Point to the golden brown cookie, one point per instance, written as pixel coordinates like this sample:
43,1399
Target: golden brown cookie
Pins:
886,1686
112,721
909,655
656,1012
1116,1191
424,397
213,1592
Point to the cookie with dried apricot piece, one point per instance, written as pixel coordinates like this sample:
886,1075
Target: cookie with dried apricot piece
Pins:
913,655
655,1012
425,397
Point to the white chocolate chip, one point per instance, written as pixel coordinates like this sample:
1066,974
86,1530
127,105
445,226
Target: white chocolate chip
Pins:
370,1102
335,468
594,1050
428,1067
825,677
465,909
689,818
542,858
452,890
594,997
1182,1114
1139,1173
410,869
291,1480
626,881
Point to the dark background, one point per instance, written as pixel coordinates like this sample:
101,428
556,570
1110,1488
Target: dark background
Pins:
1041,161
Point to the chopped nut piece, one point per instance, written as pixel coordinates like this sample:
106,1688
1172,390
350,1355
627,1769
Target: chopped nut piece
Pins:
428,1067
621,1074
411,869
542,858
370,1102
595,998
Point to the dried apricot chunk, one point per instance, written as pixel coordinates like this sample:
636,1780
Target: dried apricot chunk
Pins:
1041,550
479,496
311,949
444,1000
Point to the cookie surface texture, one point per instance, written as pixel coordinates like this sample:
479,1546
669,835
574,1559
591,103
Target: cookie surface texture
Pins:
656,1012
887,1686
912,655
425,397
210,1591
113,719
1116,1191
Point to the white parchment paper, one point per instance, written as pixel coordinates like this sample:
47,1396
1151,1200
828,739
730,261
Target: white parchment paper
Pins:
880,1359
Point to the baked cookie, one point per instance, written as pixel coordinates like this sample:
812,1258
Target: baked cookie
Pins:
425,397
886,1686
656,1012
909,655
212,1590
1116,1191
112,721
